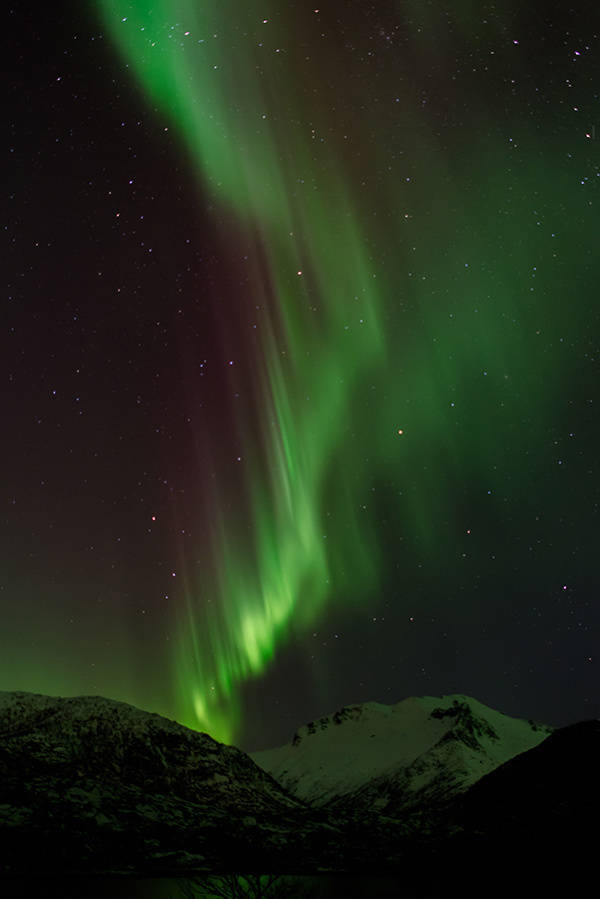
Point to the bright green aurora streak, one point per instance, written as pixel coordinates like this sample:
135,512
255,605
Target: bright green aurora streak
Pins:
345,365
288,572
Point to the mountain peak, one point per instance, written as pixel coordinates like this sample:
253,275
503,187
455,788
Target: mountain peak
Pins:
412,744
454,707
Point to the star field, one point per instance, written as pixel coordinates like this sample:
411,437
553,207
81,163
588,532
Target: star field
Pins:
300,358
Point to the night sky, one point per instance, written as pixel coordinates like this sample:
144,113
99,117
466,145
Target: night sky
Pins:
299,360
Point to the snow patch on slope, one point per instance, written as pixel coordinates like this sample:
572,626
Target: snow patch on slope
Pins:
417,743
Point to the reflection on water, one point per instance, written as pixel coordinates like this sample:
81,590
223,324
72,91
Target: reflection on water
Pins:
319,886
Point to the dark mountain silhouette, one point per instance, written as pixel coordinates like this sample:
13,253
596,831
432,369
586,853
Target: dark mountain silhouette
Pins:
543,800
90,786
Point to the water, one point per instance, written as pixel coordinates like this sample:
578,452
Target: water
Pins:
318,886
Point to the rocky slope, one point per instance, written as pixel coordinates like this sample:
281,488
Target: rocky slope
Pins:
91,784
446,785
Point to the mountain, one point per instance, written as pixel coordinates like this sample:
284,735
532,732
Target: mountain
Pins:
429,788
550,794
391,759
90,784
531,823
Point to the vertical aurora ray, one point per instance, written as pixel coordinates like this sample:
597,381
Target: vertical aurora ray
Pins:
323,330
285,572
406,286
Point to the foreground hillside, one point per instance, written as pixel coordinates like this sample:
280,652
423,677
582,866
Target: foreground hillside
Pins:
92,784
431,786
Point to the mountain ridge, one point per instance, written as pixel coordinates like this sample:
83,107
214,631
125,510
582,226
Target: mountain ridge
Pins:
415,750
89,785
129,786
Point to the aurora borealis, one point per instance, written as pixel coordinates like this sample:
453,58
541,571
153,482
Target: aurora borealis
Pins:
301,344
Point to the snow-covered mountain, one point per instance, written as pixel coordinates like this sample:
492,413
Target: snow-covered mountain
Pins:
551,792
388,759
90,784
534,817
